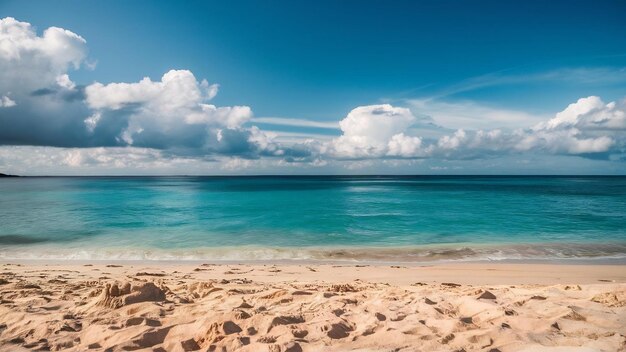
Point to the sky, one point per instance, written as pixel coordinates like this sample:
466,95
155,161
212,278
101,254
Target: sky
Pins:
325,87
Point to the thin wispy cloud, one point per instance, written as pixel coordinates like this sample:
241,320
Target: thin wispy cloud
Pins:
283,121
576,75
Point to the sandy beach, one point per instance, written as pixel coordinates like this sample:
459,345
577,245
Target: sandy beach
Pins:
177,306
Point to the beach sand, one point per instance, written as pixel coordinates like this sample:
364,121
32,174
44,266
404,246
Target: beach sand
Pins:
165,306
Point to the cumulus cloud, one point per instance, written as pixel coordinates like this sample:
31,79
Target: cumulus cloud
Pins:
34,83
589,128
49,109
177,89
171,121
375,131
589,113
172,113
403,145
29,61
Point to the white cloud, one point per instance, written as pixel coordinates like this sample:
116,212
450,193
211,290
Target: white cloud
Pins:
282,121
568,141
369,131
6,102
297,137
236,164
589,113
46,107
471,115
453,141
169,123
177,89
404,146
69,161
231,117
29,61
64,81
578,76
92,121
171,112
586,127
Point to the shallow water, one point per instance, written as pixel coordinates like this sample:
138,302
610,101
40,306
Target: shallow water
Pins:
352,218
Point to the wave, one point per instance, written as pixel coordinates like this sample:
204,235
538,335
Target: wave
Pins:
614,252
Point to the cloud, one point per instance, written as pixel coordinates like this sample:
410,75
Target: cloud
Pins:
236,164
29,61
31,160
49,109
578,76
589,128
471,115
6,102
375,131
589,113
177,89
404,146
34,83
281,121
99,160
170,123
171,113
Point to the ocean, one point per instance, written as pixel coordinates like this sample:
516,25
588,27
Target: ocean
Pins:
333,218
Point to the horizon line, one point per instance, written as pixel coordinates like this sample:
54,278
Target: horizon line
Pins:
331,175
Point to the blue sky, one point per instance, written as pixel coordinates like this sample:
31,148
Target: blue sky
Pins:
317,61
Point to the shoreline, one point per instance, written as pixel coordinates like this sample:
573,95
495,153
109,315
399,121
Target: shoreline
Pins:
343,262
400,274
612,252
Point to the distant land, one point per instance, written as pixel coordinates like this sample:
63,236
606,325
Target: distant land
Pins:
5,175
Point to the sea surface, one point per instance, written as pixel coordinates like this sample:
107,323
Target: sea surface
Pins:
351,218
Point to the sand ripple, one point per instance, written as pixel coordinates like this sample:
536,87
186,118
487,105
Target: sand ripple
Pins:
114,309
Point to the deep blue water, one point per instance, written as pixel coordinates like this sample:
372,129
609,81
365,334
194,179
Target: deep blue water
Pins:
406,218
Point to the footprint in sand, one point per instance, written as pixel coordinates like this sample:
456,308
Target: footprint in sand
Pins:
189,345
242,315
338,312
285,320
467,320
487,295
299,333
338,331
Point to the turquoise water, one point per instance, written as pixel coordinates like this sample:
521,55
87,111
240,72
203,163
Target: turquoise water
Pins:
339,218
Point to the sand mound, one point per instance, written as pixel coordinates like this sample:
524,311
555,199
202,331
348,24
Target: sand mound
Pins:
611,299
113,296
189,310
